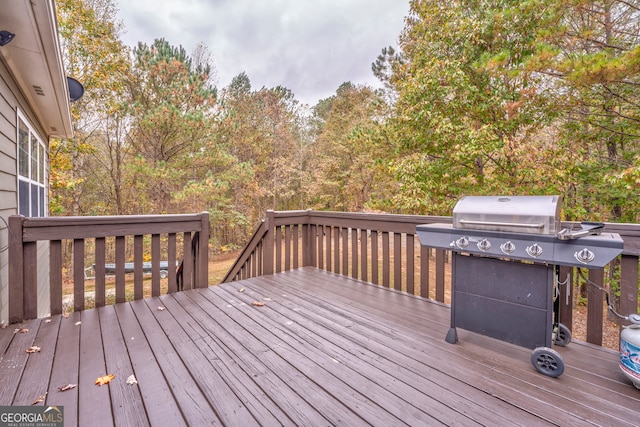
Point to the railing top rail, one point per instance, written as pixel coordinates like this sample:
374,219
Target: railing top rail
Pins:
79,227
630,233
369,216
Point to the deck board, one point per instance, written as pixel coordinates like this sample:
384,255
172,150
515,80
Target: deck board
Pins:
94,401
65,367
324,349
186,394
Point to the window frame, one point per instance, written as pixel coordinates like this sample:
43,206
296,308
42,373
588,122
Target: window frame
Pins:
35,168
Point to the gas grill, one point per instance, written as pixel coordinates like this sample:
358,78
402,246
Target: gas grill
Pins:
505,269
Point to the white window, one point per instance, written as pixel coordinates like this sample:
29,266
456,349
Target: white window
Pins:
32,189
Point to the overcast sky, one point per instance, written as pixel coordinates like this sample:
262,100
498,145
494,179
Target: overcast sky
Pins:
308,46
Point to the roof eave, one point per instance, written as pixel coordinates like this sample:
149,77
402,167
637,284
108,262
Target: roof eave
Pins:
34,58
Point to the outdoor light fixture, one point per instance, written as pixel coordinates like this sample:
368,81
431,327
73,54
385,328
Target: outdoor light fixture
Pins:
6,37
76,90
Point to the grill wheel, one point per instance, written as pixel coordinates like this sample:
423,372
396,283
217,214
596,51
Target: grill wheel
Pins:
547,361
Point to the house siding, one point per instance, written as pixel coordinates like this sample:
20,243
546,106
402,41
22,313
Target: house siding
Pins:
11,99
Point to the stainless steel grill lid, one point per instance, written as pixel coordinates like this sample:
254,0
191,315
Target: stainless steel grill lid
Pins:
522,228
515,214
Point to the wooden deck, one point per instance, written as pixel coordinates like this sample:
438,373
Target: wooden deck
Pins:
323,350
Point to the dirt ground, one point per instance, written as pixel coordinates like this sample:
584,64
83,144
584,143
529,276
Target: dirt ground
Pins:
610,330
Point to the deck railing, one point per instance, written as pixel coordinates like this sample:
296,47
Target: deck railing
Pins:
383,249
123,235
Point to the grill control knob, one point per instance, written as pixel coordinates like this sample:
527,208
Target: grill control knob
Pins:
534,250
585,256
507,247
484,245
462,242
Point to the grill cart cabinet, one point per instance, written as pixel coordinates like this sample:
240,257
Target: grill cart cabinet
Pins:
505,265
509,301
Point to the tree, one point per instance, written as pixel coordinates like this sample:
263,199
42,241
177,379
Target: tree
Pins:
468,109
349,151
592,55
262,130
95,56
172,103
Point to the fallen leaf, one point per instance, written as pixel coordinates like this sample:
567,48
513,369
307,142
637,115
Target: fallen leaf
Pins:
67,387
34,349
241,290
21,331
266,299
258,304
47,321
161,308
132,380
78,323
40,399
65,315
105,379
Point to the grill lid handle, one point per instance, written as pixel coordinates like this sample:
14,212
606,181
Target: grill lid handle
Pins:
500,224
587,229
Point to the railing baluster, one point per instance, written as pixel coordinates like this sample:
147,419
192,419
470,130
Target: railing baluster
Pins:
99,271
259,260
440,261
318,241
287,247
138,277
397,261
120,260
171,257
336,250
354,253
344,239
386,259
374,257
410,263
364,255
296,249
155,265
78,274
55,276
278,231
329,239
187,270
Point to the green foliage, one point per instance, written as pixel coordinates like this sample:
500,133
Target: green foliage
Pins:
467,107
350,151
521,97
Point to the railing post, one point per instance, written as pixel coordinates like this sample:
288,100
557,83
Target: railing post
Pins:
595,301
308,241
202,280
269,242
16,270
